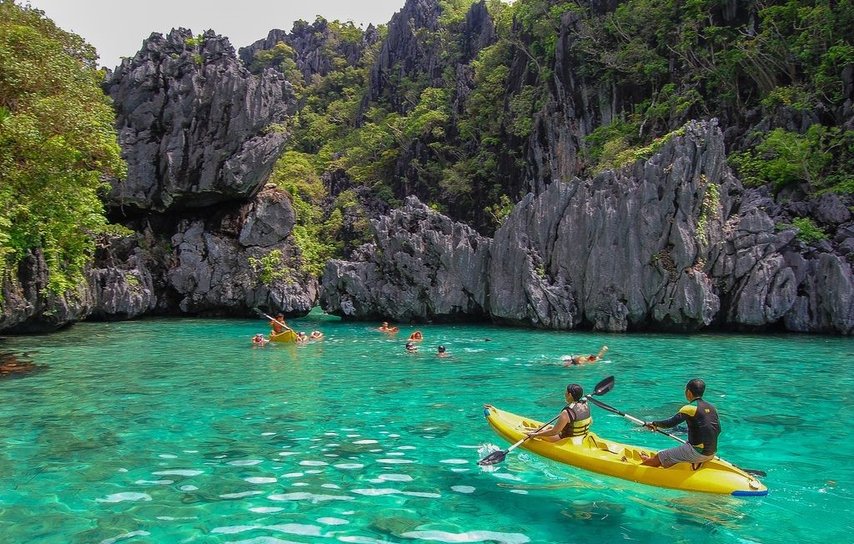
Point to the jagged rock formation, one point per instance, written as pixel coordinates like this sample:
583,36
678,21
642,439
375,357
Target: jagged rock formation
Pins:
421,267
405,53
312,45
28,307
194,124
671,243
238,260
121,284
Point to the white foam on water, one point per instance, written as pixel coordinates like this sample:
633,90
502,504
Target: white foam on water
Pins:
292,475
331,486
469,536
519,491
154,482
167,456
125,536
366,442
507,476
376,492
188,488
376,450
463,488
245,462
454,461
127,496
422,494
299,484
330,433
260,480
331,455
396,453
406,448
240,495
332,445
391,477
234,529
311,497
295,529
353,435
360,540
122,470
332,521
262,540
286,453
313,463
349,466
178,472
394,435
314,471
265,509
458,469
395,461
268,434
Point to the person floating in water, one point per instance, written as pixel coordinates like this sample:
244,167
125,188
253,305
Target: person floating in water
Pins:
385,328
259,340
315,335
416,336
442,353
703,430
584,359
411,348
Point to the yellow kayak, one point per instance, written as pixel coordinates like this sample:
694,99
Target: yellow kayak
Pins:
284,336
614,459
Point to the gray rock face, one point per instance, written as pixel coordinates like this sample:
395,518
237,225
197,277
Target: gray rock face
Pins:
192,123
312,44
422,267
228,264
121,285
27,306
671,243
404,53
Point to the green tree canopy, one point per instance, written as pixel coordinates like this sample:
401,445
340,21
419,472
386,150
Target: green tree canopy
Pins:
57,142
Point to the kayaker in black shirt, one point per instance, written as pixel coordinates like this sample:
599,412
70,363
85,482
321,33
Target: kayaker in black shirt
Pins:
574,419
703,430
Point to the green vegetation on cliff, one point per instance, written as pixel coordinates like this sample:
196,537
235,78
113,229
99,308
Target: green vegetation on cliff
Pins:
461,132
57,141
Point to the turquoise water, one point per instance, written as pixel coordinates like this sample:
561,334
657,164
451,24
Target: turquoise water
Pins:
180,431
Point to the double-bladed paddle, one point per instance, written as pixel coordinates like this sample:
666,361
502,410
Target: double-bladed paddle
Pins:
604,406
497,456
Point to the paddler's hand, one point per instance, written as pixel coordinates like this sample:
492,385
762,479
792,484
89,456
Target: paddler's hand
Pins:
650,425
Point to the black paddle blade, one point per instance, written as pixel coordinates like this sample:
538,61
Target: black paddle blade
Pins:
493,458
604,386
760,473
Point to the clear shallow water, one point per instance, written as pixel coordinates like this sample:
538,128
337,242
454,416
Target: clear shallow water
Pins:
180,431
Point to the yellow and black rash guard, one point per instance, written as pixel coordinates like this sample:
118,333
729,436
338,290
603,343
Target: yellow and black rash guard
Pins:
703,425
579,420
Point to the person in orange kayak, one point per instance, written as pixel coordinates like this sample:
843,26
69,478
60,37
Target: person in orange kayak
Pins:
279,324
703,430
574,420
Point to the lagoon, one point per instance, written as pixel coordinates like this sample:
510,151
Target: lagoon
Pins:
168,430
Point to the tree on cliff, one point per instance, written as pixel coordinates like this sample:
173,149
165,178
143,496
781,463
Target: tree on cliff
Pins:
57,141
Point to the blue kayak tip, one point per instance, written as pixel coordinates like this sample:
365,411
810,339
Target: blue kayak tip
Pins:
750,493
